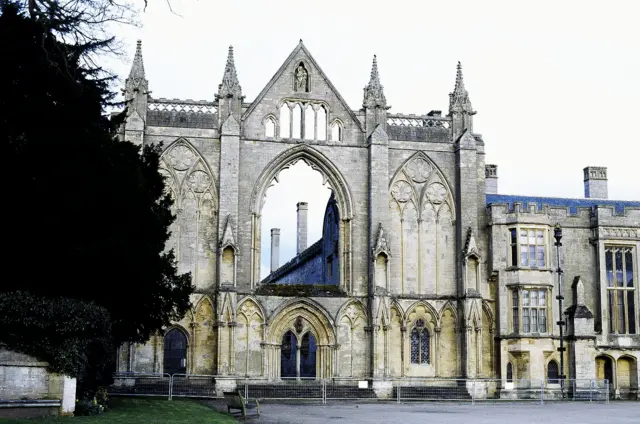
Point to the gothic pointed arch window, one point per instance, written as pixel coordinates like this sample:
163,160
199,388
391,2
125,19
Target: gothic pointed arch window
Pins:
336,131
321,123
309,122
509,372
285,121
420,343
296,118
288,354
270,127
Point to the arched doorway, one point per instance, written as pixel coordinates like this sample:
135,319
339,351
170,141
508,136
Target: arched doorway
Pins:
289,355
627,377
175,352
298,360
308,356
604,370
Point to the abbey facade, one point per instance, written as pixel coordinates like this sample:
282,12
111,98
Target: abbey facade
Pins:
423,269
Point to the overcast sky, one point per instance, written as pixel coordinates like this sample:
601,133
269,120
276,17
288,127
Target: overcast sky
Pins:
556,84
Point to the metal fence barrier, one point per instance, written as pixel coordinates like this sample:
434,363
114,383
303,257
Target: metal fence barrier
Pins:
138,384
400,391
193,385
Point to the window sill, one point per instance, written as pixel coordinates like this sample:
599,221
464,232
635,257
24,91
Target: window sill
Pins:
524,268
528,336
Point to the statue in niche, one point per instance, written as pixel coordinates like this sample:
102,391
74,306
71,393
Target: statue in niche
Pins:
302,79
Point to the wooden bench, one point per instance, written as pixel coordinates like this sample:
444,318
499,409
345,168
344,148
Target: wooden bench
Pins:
236,401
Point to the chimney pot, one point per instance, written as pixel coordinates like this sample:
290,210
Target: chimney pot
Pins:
275,249
301,238
491,179
595,182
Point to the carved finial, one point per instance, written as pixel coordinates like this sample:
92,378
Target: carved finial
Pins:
579,293
381,246
301,41
137,67
136,84
228,240
459,99
373,92
230,86
470,246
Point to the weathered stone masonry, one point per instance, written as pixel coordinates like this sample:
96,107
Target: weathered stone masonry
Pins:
430,277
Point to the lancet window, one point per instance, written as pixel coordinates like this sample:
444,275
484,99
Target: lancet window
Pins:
303,120
420,343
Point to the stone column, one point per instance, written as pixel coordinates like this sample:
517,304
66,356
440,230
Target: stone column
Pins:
403,338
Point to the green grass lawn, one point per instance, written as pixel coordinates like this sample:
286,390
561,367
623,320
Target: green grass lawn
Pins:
143,410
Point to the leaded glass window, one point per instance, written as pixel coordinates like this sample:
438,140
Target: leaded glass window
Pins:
527,247
531,305
420,343
620,289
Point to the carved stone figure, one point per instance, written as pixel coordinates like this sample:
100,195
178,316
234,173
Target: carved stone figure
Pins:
302,79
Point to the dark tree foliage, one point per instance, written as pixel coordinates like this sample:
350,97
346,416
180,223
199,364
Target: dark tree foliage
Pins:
86,215
61,331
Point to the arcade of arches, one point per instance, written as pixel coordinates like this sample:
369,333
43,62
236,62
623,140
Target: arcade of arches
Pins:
432,273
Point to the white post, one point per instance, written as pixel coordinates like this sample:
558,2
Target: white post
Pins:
68,395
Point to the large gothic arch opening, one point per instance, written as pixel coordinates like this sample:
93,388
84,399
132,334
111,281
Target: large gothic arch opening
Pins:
337,269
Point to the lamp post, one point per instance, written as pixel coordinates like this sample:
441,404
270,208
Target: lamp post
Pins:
557,234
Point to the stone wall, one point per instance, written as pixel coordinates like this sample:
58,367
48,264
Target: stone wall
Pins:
22,377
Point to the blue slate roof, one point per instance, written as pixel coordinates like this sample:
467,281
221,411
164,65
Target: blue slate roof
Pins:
572,204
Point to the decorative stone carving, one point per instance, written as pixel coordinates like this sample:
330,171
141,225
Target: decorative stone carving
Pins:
373,91
352,313
302,79
199,181
228,239
419,169
402,191
248,308
381,243
470,246
298,325
205,311
617,232
181,157
436,193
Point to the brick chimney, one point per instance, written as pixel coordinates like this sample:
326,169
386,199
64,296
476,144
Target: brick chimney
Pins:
303,209
275,249
595,182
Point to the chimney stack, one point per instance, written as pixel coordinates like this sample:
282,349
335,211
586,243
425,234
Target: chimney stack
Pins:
275,249
491,179
595,182
303,208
